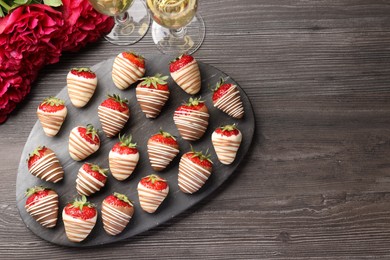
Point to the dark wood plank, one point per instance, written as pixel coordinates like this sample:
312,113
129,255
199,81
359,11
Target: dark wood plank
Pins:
316,181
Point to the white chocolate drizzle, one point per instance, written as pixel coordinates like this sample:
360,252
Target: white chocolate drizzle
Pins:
188,77
80,89
231,103
226,147
51,121
86,184
151,101
79,148
45,210
48,167
151,199
114,219
122,165
160,155
112,120
192,124
77,229
125,73
191,176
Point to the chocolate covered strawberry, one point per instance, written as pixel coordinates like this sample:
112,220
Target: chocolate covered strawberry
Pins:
162,148
42,205
194,170
123,158
185,72
51,113
117,211
90,179
128,68
79,219
152,93
44,164
81,84
83,141
226,97
152,190
192,119
226,140
113,114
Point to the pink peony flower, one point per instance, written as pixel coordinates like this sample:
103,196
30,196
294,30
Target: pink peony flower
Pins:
30,37
85,25
32,32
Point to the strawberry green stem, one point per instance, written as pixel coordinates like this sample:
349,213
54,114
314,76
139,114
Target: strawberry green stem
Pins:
5,5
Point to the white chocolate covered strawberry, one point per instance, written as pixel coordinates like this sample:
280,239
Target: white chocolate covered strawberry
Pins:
152,93
194,170
226,141
83,141
117,211
42,205
90,179
185,72
44,164
128,68
81,84
123,158
52,113
113,114
226,97
152,190
79,219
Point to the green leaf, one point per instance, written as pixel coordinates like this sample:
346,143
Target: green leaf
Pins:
53,2
1,12
20,2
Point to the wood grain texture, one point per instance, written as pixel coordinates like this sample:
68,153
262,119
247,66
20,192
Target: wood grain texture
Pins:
316,181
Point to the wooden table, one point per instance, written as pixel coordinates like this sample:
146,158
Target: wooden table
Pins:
317,178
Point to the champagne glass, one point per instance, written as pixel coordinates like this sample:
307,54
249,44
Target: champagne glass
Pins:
131,19
176,29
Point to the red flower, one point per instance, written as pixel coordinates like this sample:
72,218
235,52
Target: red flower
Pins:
85,25
34,35
30,37
31,34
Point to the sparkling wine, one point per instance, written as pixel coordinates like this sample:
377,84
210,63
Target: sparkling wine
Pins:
111,7
173,14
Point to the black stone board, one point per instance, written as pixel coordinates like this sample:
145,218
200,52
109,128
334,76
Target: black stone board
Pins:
141,128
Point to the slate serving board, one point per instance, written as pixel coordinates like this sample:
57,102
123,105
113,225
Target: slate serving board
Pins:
141,128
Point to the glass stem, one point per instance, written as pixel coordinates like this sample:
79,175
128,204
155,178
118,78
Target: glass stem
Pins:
122,18
178,33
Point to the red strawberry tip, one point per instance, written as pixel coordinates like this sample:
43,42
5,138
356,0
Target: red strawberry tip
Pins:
202,156
228,127
218,84
180,62
125,141
97,168
35,189
139,56
123,198
53,101
119,99
153,178
83,69
36,152
92,130
155,80
166,134
80,203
